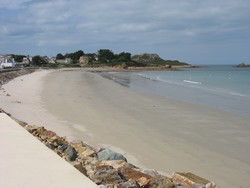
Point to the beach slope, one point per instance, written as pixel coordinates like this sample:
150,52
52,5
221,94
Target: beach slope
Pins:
152,131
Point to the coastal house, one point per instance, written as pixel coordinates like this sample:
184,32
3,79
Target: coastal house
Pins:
65,61
84,60
6,61
52,60
26,61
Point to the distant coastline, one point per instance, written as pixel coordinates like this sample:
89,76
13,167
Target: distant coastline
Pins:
242,65
102,58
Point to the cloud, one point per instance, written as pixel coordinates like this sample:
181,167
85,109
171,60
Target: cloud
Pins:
13,4
124,24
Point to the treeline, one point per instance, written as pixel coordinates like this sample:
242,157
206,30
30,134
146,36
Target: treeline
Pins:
103,57
18,58
75,56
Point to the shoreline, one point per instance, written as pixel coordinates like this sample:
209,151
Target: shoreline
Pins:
88,161
49,121
105,167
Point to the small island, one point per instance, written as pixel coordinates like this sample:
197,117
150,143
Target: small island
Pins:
242,65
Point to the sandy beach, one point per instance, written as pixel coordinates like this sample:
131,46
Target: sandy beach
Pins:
151,131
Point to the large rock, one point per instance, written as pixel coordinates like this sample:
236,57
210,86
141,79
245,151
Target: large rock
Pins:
62,148
115,163
44,134
142,181
30,128
188,179
70,153
79,167
128,184
79,147
106,175
89,161
160,182
1,110
106,154
150,172
89,153
133,174
56,141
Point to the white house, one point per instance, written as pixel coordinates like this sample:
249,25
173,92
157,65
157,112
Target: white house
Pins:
6,61
66,61
26,61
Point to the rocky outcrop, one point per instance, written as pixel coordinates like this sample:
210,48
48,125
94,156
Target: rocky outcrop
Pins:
155,60
243,65
109,169
145,58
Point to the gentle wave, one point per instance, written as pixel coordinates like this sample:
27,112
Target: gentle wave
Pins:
147,77
239,94
192,82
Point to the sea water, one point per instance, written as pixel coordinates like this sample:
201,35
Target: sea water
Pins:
225,88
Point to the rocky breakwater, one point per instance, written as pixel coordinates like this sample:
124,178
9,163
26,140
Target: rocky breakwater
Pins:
7,75
109,169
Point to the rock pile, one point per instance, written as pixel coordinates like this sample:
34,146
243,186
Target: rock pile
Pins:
7,76
109,169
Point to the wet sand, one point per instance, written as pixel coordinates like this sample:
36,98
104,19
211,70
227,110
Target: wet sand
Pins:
151,131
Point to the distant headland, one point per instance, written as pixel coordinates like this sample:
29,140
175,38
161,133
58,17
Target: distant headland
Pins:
243,65
102,58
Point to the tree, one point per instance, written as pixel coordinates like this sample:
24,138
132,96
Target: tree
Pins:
38,60
78,54
91,56
124,57
75,56
18,58
60,56
105,55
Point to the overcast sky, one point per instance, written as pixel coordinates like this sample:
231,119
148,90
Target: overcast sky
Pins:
193,31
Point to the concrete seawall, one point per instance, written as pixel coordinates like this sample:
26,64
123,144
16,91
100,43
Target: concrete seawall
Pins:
26,162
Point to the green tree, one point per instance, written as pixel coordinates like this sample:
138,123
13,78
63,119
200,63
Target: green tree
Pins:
124,57
60,56
18,58
105,55
75,56
38,60
91,56
78,54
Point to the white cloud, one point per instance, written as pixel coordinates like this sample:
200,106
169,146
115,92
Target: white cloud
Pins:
137,23
12,4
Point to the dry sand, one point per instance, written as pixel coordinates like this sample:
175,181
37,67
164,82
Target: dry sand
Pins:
161,133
